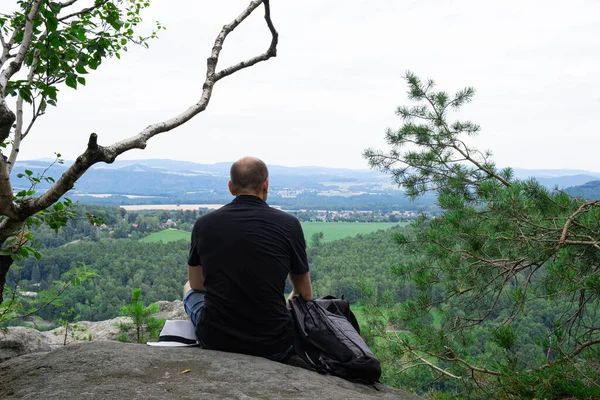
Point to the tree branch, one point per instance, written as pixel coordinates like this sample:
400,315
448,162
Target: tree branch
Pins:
271,51
471,367
438,369
68,3
583,346
19,134
96,153
82,11
15,65
582,209
465,154
7,47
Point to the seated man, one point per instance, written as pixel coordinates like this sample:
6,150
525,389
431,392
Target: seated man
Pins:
239,259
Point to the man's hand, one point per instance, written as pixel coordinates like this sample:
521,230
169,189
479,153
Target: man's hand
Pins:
287,303
301,285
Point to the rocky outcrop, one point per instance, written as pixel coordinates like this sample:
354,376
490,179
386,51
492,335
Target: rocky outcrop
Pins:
113,370
16,341
36,364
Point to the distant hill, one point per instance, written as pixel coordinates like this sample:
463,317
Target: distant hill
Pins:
157,181
561,178
169,181
589,190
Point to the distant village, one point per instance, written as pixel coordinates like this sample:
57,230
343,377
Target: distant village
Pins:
353,215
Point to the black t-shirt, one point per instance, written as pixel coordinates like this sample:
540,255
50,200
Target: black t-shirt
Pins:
246,250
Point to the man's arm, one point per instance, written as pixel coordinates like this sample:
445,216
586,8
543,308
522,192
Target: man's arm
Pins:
301,285
196,277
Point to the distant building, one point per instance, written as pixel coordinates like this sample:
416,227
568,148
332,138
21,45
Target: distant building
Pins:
168,224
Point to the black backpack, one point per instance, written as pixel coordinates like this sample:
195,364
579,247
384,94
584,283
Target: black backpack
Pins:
327,338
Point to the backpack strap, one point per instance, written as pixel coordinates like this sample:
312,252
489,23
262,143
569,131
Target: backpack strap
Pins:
310,354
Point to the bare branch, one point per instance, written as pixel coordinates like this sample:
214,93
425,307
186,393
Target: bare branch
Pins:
438,369
68,3
471,367
582,209
96,153
585,345
82,11
271,51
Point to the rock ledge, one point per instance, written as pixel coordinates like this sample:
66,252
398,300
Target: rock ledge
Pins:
111,370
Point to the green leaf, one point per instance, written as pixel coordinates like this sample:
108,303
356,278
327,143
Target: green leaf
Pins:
25,93
80,69
71,81
50,91
81,80
52,24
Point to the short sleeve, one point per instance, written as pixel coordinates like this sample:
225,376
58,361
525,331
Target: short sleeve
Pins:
194,256
299,263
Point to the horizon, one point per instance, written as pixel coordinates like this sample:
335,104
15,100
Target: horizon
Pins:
141,160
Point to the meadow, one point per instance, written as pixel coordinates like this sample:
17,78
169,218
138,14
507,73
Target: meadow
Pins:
167,235
331,231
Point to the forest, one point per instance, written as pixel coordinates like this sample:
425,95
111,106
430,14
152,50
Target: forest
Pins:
117,249
360,268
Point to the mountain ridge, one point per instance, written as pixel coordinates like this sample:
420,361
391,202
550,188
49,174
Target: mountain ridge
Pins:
171,181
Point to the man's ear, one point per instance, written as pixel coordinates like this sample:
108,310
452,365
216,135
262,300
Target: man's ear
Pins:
265,189
231,189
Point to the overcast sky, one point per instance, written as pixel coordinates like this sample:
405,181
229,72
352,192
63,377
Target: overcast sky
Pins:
334,86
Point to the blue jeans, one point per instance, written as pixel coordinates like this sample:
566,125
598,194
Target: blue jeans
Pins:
193,303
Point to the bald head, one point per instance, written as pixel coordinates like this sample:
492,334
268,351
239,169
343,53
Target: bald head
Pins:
248,176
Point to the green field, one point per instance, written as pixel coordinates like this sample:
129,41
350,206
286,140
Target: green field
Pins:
331,231
341,230
168,235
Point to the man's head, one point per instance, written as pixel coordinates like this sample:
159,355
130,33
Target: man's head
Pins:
249,175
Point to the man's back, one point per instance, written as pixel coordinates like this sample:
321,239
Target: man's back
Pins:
246,250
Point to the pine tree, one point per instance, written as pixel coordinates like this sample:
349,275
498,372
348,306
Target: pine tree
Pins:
502,250
143,318
36,276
